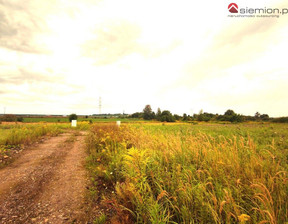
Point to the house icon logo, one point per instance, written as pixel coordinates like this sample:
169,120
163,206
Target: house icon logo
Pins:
233,8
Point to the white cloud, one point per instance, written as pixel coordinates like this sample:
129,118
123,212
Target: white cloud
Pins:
61,56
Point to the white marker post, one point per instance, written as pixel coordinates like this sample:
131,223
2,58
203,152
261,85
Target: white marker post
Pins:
74,123
118,123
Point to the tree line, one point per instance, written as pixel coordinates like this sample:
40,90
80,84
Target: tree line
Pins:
229,115
167,116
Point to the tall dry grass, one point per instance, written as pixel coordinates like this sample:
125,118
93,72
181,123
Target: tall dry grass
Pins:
24,134
177,175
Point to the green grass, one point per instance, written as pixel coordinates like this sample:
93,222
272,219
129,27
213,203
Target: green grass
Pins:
183,173
22,134
44,119
3,134
65,119
14,136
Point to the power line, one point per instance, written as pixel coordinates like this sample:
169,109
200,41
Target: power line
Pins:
100,105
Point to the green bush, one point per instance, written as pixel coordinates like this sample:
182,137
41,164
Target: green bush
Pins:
72,117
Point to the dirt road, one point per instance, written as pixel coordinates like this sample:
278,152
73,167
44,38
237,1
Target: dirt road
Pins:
47,183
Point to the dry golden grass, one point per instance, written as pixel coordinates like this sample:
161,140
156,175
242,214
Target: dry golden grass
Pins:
194,174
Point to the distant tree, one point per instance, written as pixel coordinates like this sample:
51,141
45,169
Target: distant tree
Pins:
229,113
264,117
72,117
153,115
185,117
20,119
9,118
205,116
137,115
148,113
257,115
167,116
189,118
200,117
280,120
177,117
249,118
231,116
158,114
237,118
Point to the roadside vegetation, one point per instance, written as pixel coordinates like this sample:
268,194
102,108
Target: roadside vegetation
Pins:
14,137
183,173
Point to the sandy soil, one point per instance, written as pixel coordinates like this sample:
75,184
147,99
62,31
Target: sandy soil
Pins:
47,183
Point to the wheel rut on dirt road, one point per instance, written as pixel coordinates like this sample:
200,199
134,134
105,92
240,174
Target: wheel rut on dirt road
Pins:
47,183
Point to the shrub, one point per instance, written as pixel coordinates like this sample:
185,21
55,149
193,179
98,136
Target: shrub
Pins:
20,119
9,118
72,117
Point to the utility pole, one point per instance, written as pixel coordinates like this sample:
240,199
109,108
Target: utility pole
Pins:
100,105
4,110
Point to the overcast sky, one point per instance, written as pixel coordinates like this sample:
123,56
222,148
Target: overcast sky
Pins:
60,56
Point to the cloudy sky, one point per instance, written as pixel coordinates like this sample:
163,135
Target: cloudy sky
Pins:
60,56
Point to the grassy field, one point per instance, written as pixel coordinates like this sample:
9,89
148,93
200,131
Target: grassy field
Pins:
65,119
178,173
183,173
22,134
3,134
13,136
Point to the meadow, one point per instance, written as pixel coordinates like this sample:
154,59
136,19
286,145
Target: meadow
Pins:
177,172
184,173
15,136
80,119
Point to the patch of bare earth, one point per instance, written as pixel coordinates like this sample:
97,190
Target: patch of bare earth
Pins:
47,183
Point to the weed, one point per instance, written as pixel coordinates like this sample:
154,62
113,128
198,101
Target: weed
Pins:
193,173
100,220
